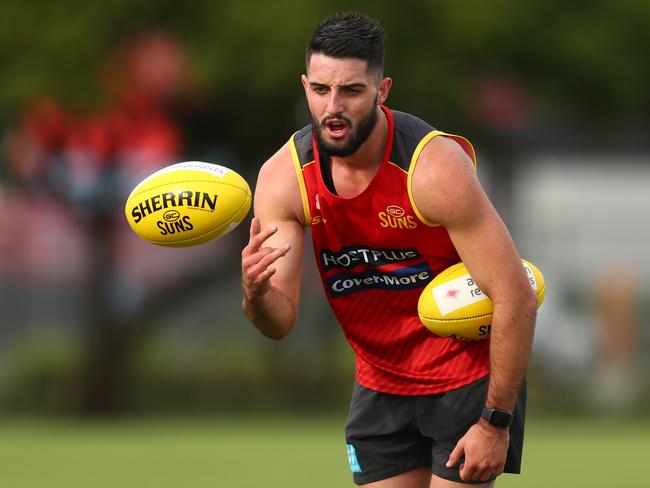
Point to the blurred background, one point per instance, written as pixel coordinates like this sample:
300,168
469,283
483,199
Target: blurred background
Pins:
122,362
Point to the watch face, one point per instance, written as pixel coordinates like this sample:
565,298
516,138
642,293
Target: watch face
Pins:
496,417
501,418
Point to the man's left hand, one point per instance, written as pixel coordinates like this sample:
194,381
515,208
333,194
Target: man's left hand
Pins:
484,447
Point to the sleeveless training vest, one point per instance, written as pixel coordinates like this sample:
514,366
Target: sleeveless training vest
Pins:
375,254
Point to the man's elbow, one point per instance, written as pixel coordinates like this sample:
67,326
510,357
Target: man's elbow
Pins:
276,333
274,321
275,328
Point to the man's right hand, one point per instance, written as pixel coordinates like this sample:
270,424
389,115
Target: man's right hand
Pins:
257,261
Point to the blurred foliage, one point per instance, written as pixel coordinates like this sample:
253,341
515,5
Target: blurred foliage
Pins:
44,375
41,373
586,60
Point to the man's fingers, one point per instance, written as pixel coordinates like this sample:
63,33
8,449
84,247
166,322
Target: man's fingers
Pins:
484,454
266,257
255,227
249,260
258,239
268,273
467,473
473,469
269,259
455,455
257,260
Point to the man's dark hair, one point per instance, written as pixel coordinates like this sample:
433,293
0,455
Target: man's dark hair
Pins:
350,35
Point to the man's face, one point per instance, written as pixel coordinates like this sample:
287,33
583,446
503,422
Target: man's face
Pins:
343,99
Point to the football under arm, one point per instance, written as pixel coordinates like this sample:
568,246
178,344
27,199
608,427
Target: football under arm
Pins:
446,190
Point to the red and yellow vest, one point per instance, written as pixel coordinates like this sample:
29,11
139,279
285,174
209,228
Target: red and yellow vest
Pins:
376,253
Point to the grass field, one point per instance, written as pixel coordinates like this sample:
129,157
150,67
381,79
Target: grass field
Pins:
299,452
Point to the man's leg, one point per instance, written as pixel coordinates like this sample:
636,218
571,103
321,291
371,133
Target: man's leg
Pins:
417,478
422,478
437,482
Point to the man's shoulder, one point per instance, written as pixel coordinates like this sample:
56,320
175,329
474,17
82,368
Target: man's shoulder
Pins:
409,131
278,187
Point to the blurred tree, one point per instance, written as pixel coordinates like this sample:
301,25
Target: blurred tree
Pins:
584,61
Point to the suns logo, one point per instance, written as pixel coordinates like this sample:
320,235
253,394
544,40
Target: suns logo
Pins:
318,219
173,223
395,217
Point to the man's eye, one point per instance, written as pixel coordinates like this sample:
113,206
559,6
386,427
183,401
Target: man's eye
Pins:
320,89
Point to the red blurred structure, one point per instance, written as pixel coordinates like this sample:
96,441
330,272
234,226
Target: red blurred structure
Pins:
62,219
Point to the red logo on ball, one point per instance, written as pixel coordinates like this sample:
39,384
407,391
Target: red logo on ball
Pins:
452,293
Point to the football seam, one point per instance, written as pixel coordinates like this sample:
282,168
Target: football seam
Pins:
227,222
474,317
450,271
188,181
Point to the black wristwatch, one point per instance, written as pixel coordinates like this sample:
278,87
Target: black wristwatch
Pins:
498,418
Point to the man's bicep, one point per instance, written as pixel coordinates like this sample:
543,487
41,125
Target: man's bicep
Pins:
448,192
486,247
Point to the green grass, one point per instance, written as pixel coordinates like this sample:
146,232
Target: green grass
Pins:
301,452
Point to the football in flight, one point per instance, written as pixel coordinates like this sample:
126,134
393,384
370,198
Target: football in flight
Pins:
188,203
452,305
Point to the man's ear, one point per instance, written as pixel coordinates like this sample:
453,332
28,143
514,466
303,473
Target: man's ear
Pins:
384,88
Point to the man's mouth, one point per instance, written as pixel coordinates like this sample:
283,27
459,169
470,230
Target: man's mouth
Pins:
336,128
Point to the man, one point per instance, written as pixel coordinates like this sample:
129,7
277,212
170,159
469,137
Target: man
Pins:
391,203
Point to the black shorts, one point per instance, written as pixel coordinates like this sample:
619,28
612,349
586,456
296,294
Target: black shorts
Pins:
388,435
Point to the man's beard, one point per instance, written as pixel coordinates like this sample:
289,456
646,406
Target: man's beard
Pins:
357,135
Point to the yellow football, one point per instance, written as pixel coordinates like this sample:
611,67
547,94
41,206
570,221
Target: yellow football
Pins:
188,203
452,305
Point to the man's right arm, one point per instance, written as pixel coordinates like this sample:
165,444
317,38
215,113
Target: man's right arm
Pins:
272,259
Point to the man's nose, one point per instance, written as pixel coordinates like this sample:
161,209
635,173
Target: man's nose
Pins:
335,103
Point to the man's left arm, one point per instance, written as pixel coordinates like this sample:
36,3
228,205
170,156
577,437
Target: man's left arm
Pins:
446,190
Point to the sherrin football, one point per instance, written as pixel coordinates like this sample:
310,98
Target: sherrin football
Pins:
188,203
452,305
